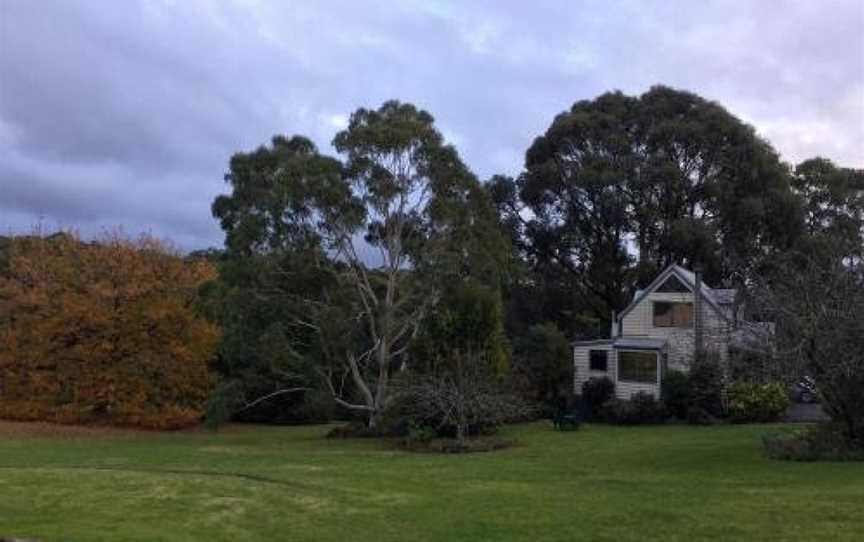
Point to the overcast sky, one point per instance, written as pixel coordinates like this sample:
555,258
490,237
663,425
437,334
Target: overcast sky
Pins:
125,113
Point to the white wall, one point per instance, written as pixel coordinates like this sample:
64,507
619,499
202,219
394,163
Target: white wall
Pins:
581,365
582,372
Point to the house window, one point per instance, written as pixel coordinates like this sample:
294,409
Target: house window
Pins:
637,367
668,314
597,360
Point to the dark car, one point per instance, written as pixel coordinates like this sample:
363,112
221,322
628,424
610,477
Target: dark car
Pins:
804,390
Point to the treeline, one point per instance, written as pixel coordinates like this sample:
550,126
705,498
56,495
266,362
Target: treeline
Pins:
389,276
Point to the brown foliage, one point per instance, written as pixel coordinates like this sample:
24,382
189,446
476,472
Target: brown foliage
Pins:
103,332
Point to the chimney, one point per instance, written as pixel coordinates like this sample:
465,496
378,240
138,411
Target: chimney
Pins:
697,314
614,328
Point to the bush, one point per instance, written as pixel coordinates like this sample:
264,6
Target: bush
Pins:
749,402
463,407
642,408
542,366
696,415
706,384
824,442
595,393
751,366
675,392
316,407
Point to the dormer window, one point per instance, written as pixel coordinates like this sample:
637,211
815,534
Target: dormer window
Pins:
671,314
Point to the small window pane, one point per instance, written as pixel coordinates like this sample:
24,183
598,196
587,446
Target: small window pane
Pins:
637,367
597,360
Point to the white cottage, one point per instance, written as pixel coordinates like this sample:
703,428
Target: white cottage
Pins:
658,331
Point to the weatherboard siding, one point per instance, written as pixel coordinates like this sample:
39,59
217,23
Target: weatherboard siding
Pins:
639,322
582,368
582,372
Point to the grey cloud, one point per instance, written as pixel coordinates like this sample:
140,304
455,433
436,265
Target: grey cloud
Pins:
127,113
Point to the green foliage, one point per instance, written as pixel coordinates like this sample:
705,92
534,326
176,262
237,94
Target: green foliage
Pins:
542,364
752,366
330,311
255,301
468,319
833,201
675,392
751,402
596,392
682,176
221,405
817,302
823,442
274,191
642,408
706,388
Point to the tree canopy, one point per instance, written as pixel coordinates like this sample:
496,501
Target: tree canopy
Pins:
619,187
389,227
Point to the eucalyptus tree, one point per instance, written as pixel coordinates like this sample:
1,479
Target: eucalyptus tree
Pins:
833,201
401,216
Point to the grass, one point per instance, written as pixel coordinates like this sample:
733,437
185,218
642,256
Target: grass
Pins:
289,483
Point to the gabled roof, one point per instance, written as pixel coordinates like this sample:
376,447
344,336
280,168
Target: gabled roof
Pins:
689,279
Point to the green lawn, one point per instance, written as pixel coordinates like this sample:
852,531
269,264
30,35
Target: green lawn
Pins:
271,483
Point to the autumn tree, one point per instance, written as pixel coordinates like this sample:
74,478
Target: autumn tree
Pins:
103,331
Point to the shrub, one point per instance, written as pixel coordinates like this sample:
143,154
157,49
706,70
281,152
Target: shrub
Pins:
825,442
542,366
706,384
316,407
595,393
749,402
642,408
461,406
696,415
420,434
675,392
751,366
